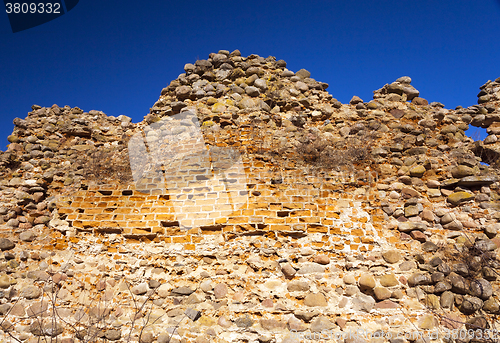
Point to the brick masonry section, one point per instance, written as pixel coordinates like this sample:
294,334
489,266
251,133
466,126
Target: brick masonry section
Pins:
331,211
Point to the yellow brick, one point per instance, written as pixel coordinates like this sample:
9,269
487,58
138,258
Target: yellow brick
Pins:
332,215
139,231
193,231
277,227
202,222
196,239
357,232
65,210
190,209
135,223
189,247
91,224
134,217
181,239
221,220
161,209
110,198
205,202
136,198
257,205
301,213
265,213
225,207
314,220
165,217
335,231
82,216
198,215
200,197
214,215
158,229
103,216
80,193
111,223
237,220
367,240
311,228
174,231
217,231
182,216
274,220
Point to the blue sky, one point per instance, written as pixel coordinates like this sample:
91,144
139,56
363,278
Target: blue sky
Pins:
117,56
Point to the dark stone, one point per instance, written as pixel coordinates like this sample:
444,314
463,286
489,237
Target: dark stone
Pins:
481,288
418,279
396,113
475,181
441,287
298,286
447,299
6,244
113,334
458,283
471,304
429,247
244,322
181,291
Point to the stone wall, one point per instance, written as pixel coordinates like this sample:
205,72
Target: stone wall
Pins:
332,211
252,200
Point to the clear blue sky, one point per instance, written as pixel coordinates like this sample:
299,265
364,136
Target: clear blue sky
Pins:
116,56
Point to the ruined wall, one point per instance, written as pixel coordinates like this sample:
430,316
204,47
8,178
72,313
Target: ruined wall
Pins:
255,201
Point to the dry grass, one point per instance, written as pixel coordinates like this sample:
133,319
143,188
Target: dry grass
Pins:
316,150
90,321
104,164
